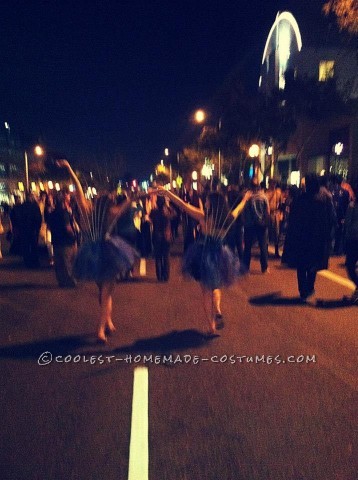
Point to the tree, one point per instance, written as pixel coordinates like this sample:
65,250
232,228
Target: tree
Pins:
346,12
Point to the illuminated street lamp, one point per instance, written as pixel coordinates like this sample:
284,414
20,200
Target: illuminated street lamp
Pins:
199,116
38,150
254,151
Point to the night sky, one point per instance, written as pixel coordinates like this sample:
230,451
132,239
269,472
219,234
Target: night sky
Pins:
96,77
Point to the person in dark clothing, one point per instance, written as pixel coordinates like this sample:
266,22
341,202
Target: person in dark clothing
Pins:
311,222
189,225
288,252
161,217
340,198
30,224
15,222
125,225
64,239
256,220
351,238
235,237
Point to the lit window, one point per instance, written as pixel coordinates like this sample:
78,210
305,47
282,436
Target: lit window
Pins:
326,70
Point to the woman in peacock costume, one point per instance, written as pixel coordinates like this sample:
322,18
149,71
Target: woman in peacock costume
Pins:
208,260
102,256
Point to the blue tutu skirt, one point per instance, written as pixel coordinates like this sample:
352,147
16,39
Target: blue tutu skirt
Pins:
211,263
103,260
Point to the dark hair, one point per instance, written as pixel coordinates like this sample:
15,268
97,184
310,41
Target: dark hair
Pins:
101,209
160,202
312,184
218,209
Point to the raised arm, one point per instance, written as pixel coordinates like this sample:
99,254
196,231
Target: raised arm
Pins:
79,194
237,210
194,212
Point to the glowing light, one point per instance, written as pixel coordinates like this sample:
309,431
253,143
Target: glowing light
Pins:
179,181
269,150
199,116
50,185
33,186
57,186
326,70
195,185
166,152
284,43
194,175
94,191
71,188
295,178
7,126
289,18
322,173
42,188
254,151
207,171
174,183
338,148
39,150
21,187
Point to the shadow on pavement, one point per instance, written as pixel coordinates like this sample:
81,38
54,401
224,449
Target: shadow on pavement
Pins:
275,298
175,340
27,286
327,304
57,346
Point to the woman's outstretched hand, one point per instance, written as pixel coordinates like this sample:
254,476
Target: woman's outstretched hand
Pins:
63,163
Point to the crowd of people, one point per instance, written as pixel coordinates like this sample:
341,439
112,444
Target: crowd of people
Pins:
99,240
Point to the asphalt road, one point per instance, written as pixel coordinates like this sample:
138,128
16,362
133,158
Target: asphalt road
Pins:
274,397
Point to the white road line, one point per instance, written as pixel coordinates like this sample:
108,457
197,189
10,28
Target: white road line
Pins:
337,278
138,449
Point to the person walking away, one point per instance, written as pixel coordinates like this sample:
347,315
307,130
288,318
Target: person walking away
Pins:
235,237
189,224
45,201
274,197
15,227
208,260
64,239
340,202
351,238
30,224
102,255
311,224
161,217
256,218
287,257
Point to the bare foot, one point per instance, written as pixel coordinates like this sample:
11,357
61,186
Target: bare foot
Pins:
110,328
101,337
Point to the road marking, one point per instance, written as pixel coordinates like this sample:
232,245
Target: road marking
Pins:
337,278
138,449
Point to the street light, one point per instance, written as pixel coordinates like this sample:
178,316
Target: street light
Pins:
254,151
38,150
200,116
